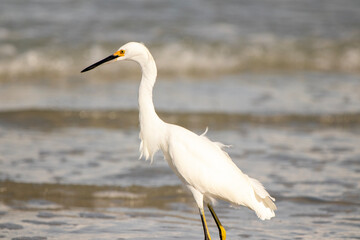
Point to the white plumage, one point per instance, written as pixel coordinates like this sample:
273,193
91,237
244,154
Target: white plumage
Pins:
202,165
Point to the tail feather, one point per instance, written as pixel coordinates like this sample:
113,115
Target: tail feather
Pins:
264,206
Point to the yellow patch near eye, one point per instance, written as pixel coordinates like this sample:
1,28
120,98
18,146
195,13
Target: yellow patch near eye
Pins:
119,53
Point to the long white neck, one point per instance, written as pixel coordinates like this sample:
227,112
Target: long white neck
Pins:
152,128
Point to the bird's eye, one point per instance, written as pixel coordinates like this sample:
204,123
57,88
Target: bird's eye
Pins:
120,53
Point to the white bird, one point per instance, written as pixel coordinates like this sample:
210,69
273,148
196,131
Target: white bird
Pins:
204,168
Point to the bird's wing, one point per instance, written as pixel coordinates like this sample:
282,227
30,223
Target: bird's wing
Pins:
203,164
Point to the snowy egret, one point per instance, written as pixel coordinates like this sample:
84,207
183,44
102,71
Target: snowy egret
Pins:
205,169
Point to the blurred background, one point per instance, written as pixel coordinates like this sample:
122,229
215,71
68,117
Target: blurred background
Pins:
278,80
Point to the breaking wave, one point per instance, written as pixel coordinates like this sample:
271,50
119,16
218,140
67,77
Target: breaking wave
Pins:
260,54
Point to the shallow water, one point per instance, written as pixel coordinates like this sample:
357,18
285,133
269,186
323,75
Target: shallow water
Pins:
73,173
87,183
271,94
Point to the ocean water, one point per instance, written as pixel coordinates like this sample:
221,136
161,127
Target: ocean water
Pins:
279,81
50,39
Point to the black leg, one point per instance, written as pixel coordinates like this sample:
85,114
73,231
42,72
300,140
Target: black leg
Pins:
203,220
222,231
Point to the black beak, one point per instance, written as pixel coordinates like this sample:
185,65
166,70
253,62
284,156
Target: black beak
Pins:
109,58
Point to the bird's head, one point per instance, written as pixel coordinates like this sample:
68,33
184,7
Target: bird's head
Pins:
130,51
